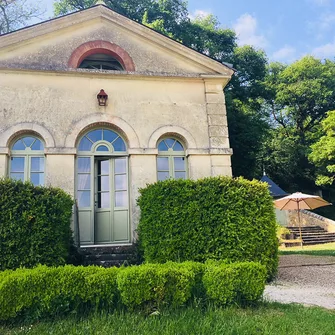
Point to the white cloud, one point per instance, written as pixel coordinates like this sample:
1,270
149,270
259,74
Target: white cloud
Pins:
325,51
199,13
286,53
246,30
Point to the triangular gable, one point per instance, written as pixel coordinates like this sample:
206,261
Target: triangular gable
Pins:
162,48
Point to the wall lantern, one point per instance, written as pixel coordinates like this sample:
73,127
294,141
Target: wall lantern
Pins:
102,98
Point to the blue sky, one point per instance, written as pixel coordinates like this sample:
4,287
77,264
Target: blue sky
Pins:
285,29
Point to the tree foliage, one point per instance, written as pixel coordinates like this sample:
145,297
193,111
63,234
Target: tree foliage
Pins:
323,152
15,14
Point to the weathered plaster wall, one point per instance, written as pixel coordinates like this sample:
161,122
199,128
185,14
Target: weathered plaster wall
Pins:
53,51
60,107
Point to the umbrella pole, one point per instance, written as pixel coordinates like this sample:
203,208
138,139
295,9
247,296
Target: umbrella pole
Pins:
299,225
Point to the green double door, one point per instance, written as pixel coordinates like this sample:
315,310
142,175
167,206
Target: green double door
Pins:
103,201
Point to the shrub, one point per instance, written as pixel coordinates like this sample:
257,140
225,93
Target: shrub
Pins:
212,218
34,225
239,282
155,285
48,291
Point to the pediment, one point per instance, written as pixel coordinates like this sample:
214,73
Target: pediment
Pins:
49,45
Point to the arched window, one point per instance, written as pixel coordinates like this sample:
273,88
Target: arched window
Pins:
27,160
101,62
171,160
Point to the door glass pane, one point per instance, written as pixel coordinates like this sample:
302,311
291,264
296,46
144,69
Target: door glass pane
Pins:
95,135
120,165
17,176
85,144
103,167
102,148
84,164
121,199
163,175
119,145
17,164
37,178
179,163
84,181
84,198
28,141
37,164
104,200
38,145
19,145
109,135
103,183
180,175
163,163
120,182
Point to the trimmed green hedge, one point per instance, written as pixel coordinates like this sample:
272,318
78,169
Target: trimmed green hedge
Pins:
34,225
213,218
48,291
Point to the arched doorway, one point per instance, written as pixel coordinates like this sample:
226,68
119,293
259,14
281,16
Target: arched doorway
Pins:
102,188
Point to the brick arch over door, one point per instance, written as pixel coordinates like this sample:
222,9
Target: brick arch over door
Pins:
101,47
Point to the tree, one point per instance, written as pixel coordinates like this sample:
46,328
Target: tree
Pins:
323,152
298,97
15,14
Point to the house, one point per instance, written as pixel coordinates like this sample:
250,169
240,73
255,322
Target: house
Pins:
99,105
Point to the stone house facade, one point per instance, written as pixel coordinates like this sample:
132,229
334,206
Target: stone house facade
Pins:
165,115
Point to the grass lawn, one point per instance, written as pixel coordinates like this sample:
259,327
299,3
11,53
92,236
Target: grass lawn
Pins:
268,318
327,249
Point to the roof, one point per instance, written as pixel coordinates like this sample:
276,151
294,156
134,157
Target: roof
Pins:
274,189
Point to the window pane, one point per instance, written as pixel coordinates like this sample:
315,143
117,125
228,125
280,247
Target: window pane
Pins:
84,164
84,198
103,183
163,163
119,145
169,142
104,200
103,167
180,175
28,140
178,147
37,164
162,146
121,199
37,178
85,145
120,165
120,182
19,145
179,163
84,181
17,176
95,135
17,164
109,135
38,145
163,175
102,148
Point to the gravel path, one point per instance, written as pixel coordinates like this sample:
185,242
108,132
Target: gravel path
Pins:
307,280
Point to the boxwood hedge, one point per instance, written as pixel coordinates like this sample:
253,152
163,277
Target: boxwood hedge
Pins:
49,291
34,225
217,218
